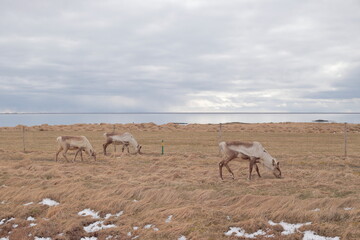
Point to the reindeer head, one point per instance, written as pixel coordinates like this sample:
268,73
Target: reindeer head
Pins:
93,154
276,168
138,148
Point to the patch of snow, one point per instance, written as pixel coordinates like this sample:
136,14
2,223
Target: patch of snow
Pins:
316,210
288,227
4,186
136,237
2,202
109,237
109,215
15,225
182,237
156,229
169,219
148,226
239,232
228,218
89,212
310,235
32,224
348,208
3,221
49,202
129,234
88,238
27,204
135,200
135,228
97,226
4,238
42,238
30,218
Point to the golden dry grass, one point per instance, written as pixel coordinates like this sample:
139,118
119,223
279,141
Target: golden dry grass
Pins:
183,183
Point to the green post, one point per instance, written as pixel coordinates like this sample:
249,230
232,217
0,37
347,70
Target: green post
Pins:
162,147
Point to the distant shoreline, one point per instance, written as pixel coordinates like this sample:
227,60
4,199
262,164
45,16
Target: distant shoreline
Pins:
177,113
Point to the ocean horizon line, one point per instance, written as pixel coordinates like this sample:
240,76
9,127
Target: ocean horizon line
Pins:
135,113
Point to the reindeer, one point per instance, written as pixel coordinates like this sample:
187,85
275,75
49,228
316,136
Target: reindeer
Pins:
124,139
254,152
79,143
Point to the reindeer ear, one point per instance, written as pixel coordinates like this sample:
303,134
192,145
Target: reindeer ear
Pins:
273,162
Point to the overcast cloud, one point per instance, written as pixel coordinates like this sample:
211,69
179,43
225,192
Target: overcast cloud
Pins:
179,55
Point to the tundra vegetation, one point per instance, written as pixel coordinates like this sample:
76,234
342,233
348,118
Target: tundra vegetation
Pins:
179,194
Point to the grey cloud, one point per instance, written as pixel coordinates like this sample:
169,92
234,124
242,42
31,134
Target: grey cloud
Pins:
165,55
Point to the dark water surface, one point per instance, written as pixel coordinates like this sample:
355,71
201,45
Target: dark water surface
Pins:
31,119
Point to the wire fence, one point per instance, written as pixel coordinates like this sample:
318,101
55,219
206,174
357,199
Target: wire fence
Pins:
308,139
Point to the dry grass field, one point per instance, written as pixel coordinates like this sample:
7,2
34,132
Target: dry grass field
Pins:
179,194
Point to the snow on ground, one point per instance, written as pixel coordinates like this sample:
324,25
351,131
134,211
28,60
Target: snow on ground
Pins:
182,237
109,215
288,227
3,221
4,238
97,226
348,208
310,235
2,202
88,238
316,210
27,204
32,224
30,218
42,238
89,212
239,232
169,219
49,202
148,226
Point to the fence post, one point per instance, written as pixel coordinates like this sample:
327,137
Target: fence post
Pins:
114,142
220,137
345,140
23,138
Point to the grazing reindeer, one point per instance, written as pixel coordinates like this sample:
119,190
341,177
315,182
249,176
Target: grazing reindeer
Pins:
124,139
254,152
79,143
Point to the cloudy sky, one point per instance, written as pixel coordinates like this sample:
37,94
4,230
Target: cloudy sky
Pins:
179,55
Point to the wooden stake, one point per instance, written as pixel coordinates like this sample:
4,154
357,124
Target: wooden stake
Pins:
114,142
345,140
23,137
220,136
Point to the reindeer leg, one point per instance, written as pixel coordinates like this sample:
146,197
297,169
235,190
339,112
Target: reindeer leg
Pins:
64,153
81,152
105,145
77,152
251,164
257,170
228,168
56,156
225,162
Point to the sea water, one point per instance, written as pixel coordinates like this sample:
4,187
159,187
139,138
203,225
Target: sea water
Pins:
31,119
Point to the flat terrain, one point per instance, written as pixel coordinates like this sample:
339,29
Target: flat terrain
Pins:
180,193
